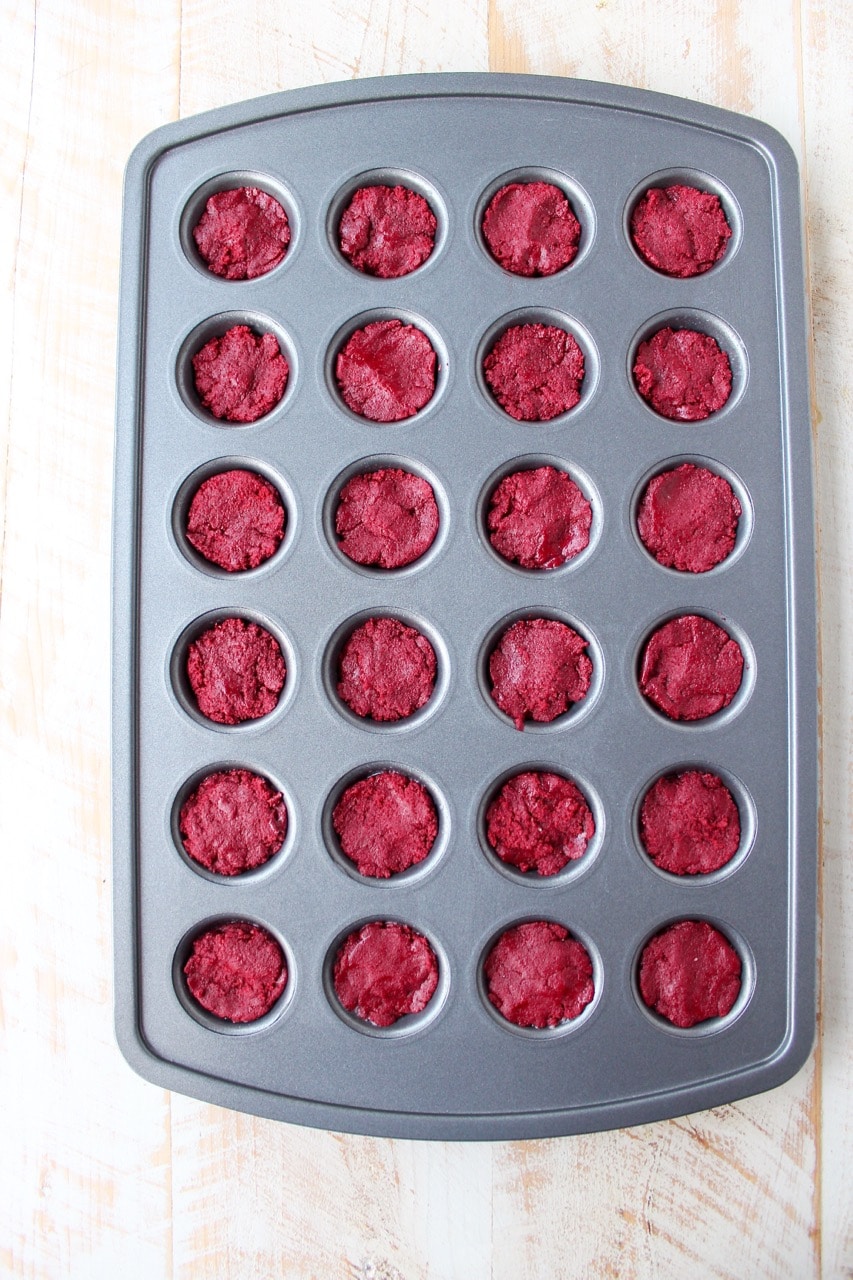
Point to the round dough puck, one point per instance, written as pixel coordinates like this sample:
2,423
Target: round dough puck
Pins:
387,231
387,670
689,973
683,374
688,518
387,518
538,975
689,823
236,971
236,520
679,230
233,822
385,971
539,822
240,376
530,229
236,671
691,668
539,668
385,823
535,372
386,371
242,234
539,519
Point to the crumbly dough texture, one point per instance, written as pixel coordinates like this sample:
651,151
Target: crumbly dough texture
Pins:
387,518
683,374
679,230
233,822
535,372
690,973
539,822
539,668
689,823
387,231
242,234
539,519
236,971
387,670
386,371
240,376
531,229
688,518
236,671
385,971
385,823
236,520
537,975
691,668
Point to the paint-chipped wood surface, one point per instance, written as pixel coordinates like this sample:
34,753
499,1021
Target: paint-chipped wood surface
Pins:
106,1176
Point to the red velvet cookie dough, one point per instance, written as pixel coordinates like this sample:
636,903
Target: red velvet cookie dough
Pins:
386,371
683,374
539,519
242,233
689,823
688,518
535,372
539,822
530,229
385,971
387,231
236,971
539,668
233,822
387,670
537,975
387,518
240,376
236,520
236,671
691,668
680,231
386,823
689,973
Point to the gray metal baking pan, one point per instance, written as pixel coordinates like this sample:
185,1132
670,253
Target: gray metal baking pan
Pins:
457,1071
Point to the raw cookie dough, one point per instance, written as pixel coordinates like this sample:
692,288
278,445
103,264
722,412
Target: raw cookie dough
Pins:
236,671
691,668
387,231
539,668
387,518
387,670
535,372
233,822
689,973
680,230
386,371
530,229
688,518
385,971
683,374
539,822
689,823
386,823
242,234
537,975
240,376
236,971
236,520
539,519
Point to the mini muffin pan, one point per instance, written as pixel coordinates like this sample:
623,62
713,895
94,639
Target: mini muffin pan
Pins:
458,1069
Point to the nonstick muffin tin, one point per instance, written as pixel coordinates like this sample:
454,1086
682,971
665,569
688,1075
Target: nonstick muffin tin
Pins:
458,1070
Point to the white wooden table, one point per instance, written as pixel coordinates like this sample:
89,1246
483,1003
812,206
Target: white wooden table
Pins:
104,1176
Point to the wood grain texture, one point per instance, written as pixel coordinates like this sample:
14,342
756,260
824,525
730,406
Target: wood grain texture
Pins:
105,1175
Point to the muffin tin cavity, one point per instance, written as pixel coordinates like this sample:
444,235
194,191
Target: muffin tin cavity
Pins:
550,318
533,462
209,1021
744,523
195,207
579,203
686,177
273,861
737,702
378,316
216,327
709,1026
216,467
386,177
702,322
564,1026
